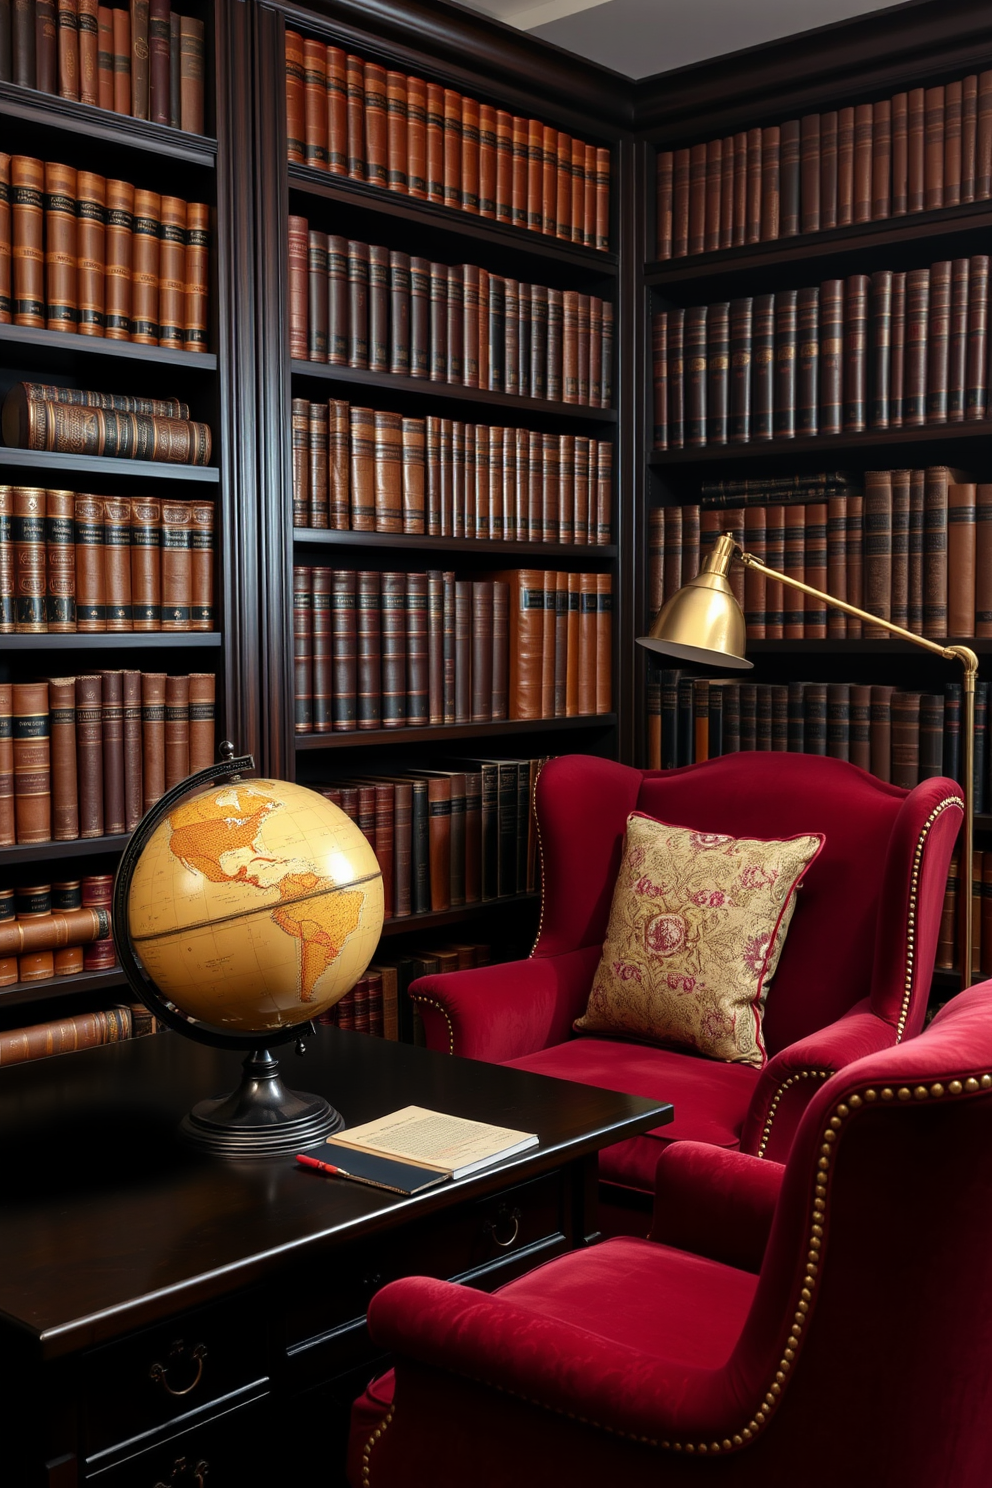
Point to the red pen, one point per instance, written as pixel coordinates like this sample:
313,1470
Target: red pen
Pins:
322,1167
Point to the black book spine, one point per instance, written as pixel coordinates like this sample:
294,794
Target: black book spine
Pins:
694,363
718,372
669,718
763,367
686,722
741,315
784,417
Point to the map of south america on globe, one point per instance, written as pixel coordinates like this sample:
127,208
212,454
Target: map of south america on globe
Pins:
247,864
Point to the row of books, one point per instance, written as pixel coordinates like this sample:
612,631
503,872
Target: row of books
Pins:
362,305
88,756
353,118
364,470
83,253
915,549
74,563
56,929
913,152
779,490
373,1004
409,650
77,421
145,60
462,834
78,1031
888,351
900,736
948,944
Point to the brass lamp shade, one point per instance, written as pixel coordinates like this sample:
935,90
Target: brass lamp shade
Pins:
703,621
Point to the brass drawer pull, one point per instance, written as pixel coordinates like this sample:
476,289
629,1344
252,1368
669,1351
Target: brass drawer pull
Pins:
182,1473
160,1372
491,1224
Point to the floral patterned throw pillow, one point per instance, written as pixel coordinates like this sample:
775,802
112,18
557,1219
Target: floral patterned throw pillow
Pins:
696,930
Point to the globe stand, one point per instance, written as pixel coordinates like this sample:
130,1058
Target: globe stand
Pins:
261,1118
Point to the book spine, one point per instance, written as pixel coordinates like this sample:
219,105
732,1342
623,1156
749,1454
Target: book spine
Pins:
900,154
961,559
935,552
417,656
197,276
90,747
131,716
146,563
983,560
172,274
863,131
933,156
845,167
752,222
790,173
717,372
938,338
343,644
807,360
763,367
318,474
855,352
739,425
114,812
916,150
879,387
202,566
323,661
368,650
27,197
953,107
60,562
117,563
770,183
28,541
397,133
897,352
815,565
977,339
837,563
957,351
878,549
881,159
784,393
192,58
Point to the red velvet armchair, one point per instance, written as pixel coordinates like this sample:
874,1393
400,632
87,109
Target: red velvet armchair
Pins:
853,978
861,1352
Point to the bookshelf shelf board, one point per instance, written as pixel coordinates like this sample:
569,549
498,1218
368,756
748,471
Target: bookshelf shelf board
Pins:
125,641
39,852
435,919
83,981
808,248
933,436
982,646
451,393
477,546
948,979
457,226
450,732
133,471
71,353
47,111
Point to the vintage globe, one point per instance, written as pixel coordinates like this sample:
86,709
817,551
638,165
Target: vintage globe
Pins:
253,906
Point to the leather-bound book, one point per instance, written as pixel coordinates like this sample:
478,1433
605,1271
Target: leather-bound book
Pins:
915,552
901,509
712,193
159,63
938,336
338,465
33,903
60,561
435,142
420,317
315,323
122,61
483,651
845,166
114,810
197,275
511,350
983,560
905,746
855,560
439,809
191,72
915,149
739,421
438,364
809,183
676,384
814,718
935,509
412,439
855,352
378,311
504,166
45,47
60,247
933,155
878,550
815,566
497,524
358,304
172,275
456,325
302,650
554,368
550,488
914,400
146,563
397,144
664,202
202,566
697,198
399,311
117,562
754,582
452,149
969,128
491,375
794,564
680,202
762,367
338,296
566,488
789,179
897,351
62,727
600,340
570,347
6,301
488,164
695,375
831,411
839,720
133,794
416,649
27,196
448,645
977,338
961,559
588,644
8,610
807,360
30,761
726,238
23,46
521,170
604,492
951,766
437,480
362,456
739,215
957,348
91,597
775,556
900,154
388,472
469,190
983,138
99,955
859,726
393,646
321,651
376,129
863,130
752,221
717,327
344,644
672,575
368,650
435,647
139,59
89,754
947,940
469,277
880,303
952,143
67,911
748,721
27,533
463,651
318,453
881,159
118,242
539,327
202,692
784,394
770,182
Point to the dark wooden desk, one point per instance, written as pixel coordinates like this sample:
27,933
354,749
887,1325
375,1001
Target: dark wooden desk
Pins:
121,1250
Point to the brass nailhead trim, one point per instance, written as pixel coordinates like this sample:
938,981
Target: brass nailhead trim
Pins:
940,1089
540,854
914,890
806,1074
433,1002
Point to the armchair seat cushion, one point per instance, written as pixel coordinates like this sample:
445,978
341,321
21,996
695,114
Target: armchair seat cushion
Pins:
711,1098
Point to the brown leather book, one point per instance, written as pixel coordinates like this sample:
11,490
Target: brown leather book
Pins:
526,634
27,195
549,181
680,201
337,300
563,186
177,564
68,50
368,650
548,644
33,903
855,352
915,584
122,61
202,566
176,730
388,456
905,739
983,138
969,131
146,564
862,182
8,609
900,154
935,506
417,678
159,62
831,407
355,88
604,643
961,559
933,154
439,840
31,761
897,352
118,243
881,159
947,939
752,211
91,593
191,70
880,729
376,127
99,955
60,561
335,77
60,247
152,737
89,755
145,267
38,931
314,102
420,317
81,1031
172,273
117,562
697,199
727,184
362,458
789,179
504,166
27,533
438,347
393,643
308,321
916,149
202,693
133,797
794,555
318,451
755,526
915,358
711,195
322,679
416,137
435,142
114,810
358,304
587,628
139,59
878,550
6,301
469,191
957,346
815,570
8,834
938,342
338,464
62,726
452,149
105,57
810,173
379,288
197,275
901,514
953,100
845,166
983,560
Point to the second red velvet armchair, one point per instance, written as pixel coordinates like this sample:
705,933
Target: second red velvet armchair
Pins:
853,977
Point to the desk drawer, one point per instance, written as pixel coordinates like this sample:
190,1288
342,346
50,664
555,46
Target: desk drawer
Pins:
230,1452
162,1373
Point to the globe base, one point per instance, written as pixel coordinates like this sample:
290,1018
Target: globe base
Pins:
261,1118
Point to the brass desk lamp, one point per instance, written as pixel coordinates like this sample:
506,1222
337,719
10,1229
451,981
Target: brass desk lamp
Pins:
703,623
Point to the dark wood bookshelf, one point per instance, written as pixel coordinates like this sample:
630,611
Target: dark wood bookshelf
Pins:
982,646
79,847
39,112
479,547
436,919
451,394
89,982
134,471
928,440
155,640
71,352
438,733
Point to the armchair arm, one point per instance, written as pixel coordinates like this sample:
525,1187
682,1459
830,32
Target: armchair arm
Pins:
791,1079
506,1011
715,1203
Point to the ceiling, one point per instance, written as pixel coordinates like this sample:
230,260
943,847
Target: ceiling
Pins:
639,38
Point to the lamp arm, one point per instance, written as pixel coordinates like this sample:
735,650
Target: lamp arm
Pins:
969,662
